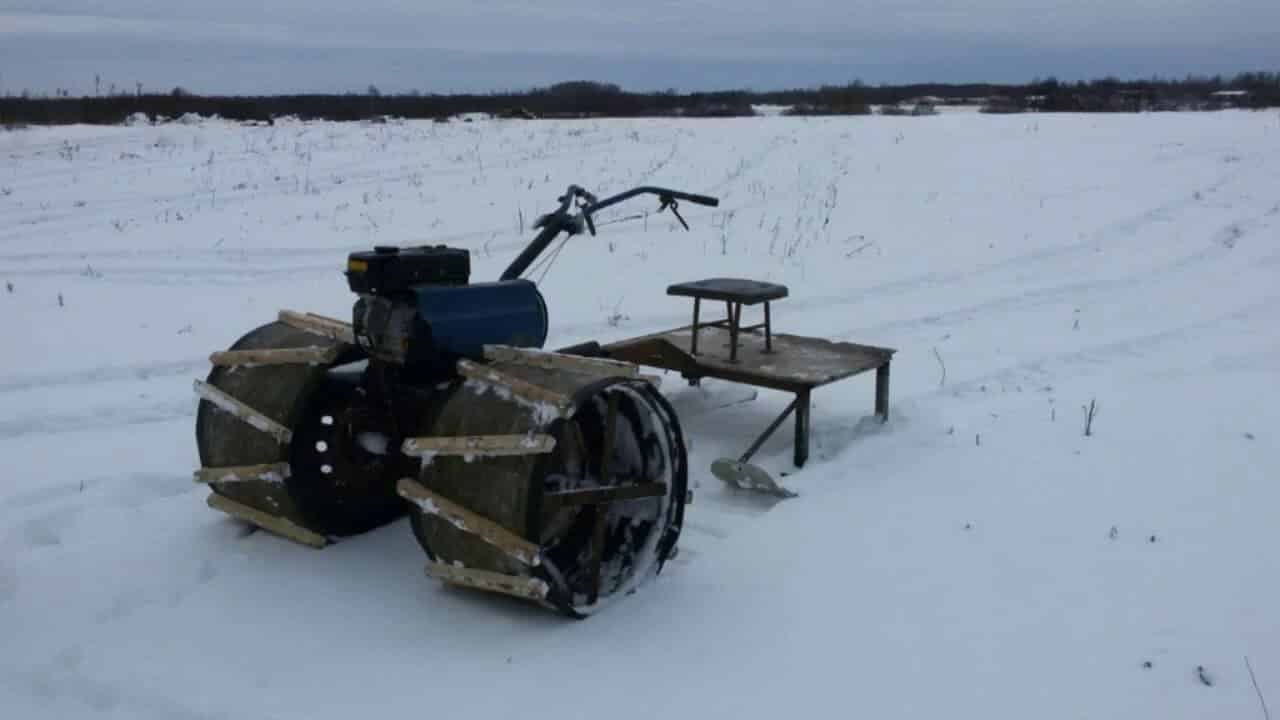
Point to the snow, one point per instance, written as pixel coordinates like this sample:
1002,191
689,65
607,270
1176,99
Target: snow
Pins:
374,442
957,561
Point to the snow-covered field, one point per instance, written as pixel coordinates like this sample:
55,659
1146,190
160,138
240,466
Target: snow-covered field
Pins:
976,557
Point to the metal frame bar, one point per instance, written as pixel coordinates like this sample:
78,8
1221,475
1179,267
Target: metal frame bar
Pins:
735,319
602,509
732,323
768,329
693,344
595,496
768,432
800,406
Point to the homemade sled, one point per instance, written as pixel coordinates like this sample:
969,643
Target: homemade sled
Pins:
755,355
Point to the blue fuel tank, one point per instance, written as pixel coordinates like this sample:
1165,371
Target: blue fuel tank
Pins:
460,320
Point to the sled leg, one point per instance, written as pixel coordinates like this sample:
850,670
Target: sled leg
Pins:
802,428
882,392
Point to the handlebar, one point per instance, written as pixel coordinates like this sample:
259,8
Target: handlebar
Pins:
552,224
662,193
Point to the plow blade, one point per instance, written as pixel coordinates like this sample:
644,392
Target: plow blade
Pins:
746,476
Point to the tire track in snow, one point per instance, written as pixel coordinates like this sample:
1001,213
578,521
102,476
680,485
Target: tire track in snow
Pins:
1051,366
931,280
1220,247
132,489
110,417
64,679
105,374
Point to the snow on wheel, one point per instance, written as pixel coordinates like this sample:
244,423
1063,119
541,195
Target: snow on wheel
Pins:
581,521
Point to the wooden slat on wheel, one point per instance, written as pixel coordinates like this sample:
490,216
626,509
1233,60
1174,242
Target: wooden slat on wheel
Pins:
561,361
532,444
267,521
268,472
246,413
572,363
319,325
523,587
282,356
521,388
468,521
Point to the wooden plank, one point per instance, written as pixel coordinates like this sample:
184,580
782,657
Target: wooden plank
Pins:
533,444
795,363
561,361
521,388
522,587
315,355
270,472
471,522
266,521
592,496
246,413
319,325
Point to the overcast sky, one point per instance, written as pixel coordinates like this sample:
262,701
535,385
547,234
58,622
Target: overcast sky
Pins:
268,46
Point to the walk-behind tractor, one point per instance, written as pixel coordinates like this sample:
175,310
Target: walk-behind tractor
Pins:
560,477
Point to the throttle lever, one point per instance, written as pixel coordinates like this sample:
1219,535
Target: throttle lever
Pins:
670,202
585,200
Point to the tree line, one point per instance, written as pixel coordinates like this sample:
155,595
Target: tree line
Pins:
598,99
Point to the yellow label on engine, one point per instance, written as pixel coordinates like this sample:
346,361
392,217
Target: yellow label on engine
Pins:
357,266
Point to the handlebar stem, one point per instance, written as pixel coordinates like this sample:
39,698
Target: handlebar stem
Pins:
554,223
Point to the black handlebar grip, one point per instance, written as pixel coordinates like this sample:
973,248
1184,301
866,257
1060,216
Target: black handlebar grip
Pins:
703,200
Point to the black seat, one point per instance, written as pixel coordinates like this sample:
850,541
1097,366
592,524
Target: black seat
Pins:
737,290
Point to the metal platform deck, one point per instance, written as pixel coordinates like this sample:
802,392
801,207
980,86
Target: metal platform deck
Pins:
796,364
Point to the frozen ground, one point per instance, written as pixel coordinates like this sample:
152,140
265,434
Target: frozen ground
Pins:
977,557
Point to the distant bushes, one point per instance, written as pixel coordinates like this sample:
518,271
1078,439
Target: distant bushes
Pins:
570,99
583,98
807,109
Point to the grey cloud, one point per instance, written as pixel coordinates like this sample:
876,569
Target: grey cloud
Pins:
323,45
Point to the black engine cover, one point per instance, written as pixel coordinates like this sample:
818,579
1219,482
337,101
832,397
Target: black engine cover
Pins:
393,271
